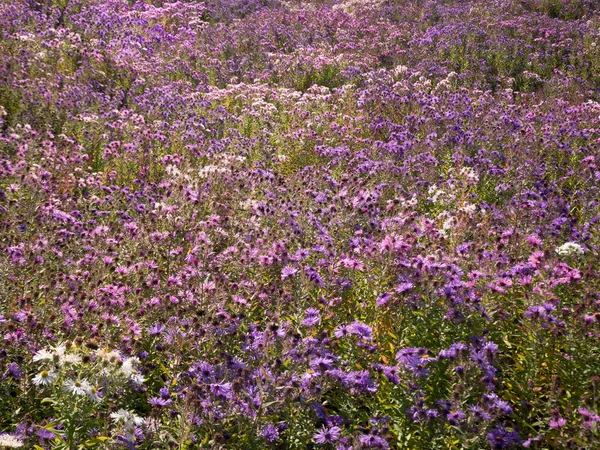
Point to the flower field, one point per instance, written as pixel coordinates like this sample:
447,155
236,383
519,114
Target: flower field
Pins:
260,224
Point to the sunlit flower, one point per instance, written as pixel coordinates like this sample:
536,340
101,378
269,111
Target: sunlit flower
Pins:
10,441
44,378
77,387
570,249
43,355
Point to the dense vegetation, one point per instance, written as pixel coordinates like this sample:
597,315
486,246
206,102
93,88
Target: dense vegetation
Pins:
249,224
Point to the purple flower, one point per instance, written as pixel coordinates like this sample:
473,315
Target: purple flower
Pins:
557,423
416,364
14,370
311,317
361,330
382,299
454,418
327,435
44,433
222,390
372,441
500,438
288,272
156,329
270,433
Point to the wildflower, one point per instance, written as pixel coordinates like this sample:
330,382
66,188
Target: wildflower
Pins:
479,414
128,366
557,423
361,330
10,441
456,417
372,441
69,358
106,355
77,387
126,417
15,371
382,299
288,272
500,437
44,378
43,355
95,395
156,329
416,364
223,390
311,318
570,249
327,435
45,433
270,433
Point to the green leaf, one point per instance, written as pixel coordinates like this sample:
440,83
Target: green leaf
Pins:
95,441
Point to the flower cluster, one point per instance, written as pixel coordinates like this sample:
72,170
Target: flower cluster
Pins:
269,224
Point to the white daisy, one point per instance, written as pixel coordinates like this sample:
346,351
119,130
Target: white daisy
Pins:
44,378
126,417
129,365
77,387
10,441
69,358
43,355
94,395
60,350
137,378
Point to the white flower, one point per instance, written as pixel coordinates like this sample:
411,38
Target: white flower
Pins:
43,355
69,358
77,387
108,355
44,378
9,441
60,350
570,249
137,378
94,395
128,367
127,418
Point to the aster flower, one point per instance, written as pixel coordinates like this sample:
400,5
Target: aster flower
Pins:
94,394
43,355
270,433
557,423
501,438
362,330
416,364
15,371
311,317
327,435
45,433
383,299
288,272
10,441
123,416
373,441
45,378
77,387
223,390
69,359
570,249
